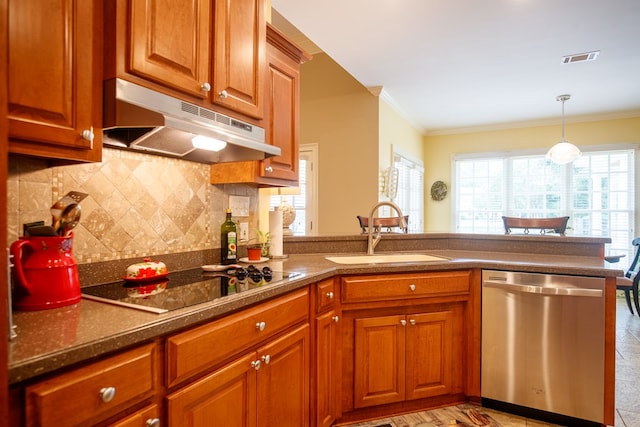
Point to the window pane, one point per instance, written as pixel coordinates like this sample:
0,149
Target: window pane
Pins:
410,192
298,201
596,192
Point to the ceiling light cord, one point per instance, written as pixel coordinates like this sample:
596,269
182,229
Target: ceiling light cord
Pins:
563,100
563,152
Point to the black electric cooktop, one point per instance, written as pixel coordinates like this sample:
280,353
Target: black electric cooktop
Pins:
181,289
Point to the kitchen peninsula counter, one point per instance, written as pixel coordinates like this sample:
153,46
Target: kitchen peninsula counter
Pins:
50,340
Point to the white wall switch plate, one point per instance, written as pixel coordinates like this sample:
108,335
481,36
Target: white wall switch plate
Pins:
244,231
239,205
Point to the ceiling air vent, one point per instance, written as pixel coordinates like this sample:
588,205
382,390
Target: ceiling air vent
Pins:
581,57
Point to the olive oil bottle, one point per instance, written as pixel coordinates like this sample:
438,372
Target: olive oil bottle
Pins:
228,241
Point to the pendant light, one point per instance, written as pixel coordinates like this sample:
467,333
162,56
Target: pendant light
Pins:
563,152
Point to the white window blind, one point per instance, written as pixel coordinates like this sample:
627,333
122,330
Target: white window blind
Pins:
596,192
298,201
410,193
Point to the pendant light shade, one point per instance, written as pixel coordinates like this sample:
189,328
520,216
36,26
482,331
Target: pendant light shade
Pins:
563,152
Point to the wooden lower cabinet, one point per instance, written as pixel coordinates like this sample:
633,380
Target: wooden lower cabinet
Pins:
95,393
327,354
404,342
146,417
266,387
375,345
403,357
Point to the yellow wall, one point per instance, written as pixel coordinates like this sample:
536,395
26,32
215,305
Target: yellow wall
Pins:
396,131
354,130
340,115
439,151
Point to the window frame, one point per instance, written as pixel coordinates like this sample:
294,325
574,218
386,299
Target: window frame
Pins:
415,188
620,243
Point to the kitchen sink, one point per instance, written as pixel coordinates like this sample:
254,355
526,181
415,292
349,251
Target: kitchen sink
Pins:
383,258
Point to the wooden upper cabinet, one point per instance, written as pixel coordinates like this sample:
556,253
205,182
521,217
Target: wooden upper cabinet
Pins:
282,115
239,43
213,51
55,78
170,43
281,120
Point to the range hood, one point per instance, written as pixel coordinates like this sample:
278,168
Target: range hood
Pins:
141,119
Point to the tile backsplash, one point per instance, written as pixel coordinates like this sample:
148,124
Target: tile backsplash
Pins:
138,205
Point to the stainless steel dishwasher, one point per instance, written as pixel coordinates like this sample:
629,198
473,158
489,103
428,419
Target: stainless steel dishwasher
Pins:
543,345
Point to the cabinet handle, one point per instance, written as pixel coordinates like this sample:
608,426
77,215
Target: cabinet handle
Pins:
261,326
413,322
268,169
255,364
336,319
223,94
87,134
107,394
330,295
403,322
206,86
266,359
152,422
412,287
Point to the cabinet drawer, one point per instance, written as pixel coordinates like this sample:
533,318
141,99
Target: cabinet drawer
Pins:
78,397
196,350
401,286
143,418
326,295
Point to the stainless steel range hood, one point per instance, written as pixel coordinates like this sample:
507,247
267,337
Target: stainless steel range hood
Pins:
142,119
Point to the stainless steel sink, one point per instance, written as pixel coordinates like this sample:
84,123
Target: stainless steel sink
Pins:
384,258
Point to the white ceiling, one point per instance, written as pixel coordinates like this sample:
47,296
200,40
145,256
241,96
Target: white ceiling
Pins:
451,65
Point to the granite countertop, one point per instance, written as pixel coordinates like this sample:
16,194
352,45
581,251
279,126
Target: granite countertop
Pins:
48,340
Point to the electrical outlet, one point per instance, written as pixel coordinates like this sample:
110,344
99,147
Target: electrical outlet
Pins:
244,231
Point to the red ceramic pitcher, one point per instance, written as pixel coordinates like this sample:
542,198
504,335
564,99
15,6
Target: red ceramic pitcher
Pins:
45,273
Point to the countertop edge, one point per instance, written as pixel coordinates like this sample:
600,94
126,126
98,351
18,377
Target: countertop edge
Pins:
315,268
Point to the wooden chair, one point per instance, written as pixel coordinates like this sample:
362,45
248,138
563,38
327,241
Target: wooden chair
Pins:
545,225
629,282
378,223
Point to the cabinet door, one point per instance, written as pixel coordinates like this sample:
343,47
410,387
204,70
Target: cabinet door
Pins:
328,369
170,43
281,120
239,46
283,381
379,360
429,354
282,116
225,398
55,78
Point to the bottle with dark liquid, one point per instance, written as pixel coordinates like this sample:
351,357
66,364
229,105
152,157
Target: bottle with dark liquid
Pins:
228,241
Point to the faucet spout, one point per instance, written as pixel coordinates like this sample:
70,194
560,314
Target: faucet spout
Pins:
373,241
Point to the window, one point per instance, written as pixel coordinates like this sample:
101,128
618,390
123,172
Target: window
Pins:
410,191
301,198
596,192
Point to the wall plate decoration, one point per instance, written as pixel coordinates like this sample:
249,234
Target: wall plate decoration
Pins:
438,191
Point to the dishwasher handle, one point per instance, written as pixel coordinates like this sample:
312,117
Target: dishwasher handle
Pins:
544,290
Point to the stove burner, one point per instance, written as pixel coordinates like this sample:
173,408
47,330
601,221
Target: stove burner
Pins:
252,272
184,288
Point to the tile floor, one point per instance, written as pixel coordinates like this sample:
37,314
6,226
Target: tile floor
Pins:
627,389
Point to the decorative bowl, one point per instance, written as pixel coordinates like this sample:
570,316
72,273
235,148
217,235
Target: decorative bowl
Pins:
146,270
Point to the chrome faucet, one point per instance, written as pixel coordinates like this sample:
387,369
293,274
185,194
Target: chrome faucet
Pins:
372,242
